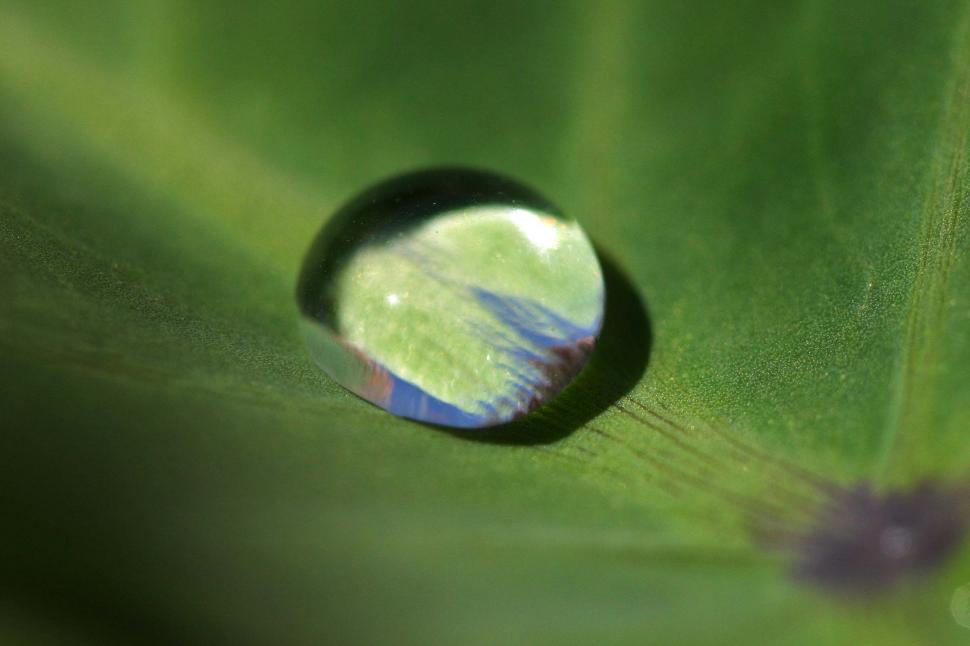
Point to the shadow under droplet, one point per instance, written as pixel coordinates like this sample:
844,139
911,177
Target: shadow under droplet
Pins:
617,363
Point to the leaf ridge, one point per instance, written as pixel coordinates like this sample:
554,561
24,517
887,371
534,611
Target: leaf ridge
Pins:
162,144
942,214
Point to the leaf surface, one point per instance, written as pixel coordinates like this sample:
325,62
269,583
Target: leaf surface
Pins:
783,185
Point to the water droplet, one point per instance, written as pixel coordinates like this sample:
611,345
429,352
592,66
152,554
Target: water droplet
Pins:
410,285
960,605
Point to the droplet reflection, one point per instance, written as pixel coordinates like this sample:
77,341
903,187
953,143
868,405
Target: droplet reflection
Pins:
452,297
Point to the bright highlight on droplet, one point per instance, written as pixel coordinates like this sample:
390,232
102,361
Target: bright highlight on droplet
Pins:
504,298
540,231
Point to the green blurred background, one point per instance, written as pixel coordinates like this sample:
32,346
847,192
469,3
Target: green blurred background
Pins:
783,183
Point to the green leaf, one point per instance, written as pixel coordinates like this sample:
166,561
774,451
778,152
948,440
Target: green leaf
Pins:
782,185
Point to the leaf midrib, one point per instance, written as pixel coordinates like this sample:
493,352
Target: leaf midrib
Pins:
913,405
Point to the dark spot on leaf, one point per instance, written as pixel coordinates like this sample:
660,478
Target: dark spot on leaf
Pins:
863,541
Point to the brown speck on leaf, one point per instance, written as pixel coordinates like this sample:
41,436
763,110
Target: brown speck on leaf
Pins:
863,541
